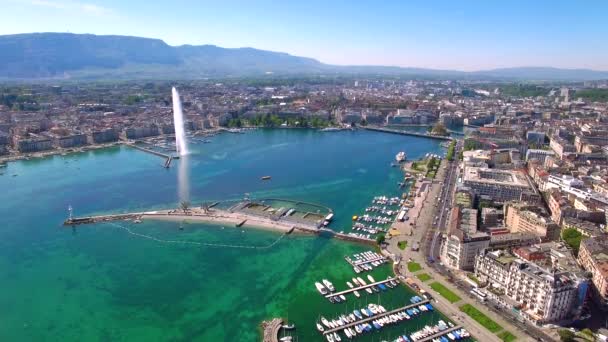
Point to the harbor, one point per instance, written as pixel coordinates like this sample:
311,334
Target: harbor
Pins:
216,175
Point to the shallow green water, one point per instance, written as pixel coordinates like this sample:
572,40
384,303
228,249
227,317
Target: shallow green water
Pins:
99,283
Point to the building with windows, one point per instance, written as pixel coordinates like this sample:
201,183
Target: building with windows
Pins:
538,294
463,242
524,218
593,257
500,185
104,136
540,155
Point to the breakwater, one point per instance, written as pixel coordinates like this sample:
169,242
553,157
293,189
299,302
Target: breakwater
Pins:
394,131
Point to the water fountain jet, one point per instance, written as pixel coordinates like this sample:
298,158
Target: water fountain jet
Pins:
178,122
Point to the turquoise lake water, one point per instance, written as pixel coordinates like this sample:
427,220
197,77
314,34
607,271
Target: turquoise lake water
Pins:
99,283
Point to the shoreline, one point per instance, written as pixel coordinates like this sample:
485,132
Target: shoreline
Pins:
93,147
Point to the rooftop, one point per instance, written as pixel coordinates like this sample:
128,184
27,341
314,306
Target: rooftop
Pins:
495,177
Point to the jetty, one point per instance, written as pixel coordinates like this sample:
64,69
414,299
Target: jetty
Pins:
361,288
74,221
395,131
439,334
271,329
156,153
374,317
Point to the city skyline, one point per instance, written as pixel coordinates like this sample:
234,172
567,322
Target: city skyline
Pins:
441,35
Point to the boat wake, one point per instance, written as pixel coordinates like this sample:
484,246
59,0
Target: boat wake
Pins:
194,243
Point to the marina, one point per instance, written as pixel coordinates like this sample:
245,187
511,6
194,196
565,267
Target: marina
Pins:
378,216
363,285
365,261
449,334
371,316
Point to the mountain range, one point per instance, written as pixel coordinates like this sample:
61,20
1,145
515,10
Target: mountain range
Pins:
36,56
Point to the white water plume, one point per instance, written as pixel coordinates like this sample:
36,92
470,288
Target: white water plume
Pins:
178,122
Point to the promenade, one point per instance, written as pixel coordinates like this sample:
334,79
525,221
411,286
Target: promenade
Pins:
421,232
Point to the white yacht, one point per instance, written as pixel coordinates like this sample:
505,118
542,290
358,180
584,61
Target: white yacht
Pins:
321,288
329,285
400,157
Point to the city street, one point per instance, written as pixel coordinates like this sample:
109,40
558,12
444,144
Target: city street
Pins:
430,225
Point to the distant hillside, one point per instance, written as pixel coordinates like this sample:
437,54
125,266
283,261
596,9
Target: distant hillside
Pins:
86,56
544,73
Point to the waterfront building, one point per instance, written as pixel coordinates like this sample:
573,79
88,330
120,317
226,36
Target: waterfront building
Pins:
72,140
351,118
500,185
104,136
35,144
538,293
141,132
593,257
529,219
451,120
463,242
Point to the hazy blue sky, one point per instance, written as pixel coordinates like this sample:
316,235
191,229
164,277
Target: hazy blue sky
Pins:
451,34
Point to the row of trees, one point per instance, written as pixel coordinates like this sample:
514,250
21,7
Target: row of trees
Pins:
271,120
451,149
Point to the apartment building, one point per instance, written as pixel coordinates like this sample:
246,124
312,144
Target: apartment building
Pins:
593,257
524,218
500,185
540,295
463,242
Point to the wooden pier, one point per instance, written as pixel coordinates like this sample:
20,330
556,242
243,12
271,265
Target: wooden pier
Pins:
374,317
360,287
439,334
394,131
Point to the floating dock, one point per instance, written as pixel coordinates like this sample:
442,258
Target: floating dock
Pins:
374,317
439,334
359,288
365,261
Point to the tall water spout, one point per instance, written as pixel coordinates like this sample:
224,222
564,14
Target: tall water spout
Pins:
178,121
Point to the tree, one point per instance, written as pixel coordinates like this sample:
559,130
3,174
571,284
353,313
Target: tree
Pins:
185,205
573,238
380,239
566,335
439,129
